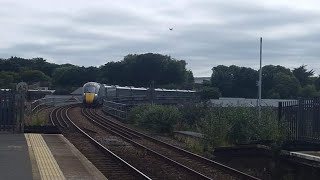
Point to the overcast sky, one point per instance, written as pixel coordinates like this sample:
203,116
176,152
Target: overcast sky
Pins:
205,33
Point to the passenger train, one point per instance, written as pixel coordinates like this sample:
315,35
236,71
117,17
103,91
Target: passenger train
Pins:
94,93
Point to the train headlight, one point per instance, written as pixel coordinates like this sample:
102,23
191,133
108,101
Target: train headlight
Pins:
95,95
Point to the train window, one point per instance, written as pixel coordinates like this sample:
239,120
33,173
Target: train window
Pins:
90,89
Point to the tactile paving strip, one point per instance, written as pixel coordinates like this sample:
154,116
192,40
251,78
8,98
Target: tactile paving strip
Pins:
47,165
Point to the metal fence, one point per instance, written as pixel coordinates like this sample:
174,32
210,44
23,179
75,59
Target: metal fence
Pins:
119,107
54,101
11,111
301,119
118,110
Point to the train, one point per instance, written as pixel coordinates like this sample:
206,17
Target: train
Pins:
94,93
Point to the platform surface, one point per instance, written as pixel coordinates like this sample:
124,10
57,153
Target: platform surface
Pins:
14,158
42,157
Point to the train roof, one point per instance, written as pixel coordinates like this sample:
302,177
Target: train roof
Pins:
91,84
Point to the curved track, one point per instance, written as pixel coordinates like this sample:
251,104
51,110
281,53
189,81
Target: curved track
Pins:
112,166
200,167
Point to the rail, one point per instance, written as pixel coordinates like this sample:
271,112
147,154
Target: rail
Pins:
60,114
116,127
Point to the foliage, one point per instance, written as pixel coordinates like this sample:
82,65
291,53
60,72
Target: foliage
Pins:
143,69
38,119
233,77
317,83
207,93
277,82
233,125
286,85
74,75
6,79
303,75
157,118
309,91
215,128
191,115
134,69
166,72
32,76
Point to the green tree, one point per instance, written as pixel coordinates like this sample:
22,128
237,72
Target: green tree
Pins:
317,83
207,93
74,75
143,69
303,75
234,81
31,76
286,85
222,78
279,82
308,91
5,80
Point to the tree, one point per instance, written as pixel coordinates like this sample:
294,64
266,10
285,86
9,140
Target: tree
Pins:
234,81
32,76
286,85
279,82
6,79
317,83
309,91
222,78
143,69
303,75
207,93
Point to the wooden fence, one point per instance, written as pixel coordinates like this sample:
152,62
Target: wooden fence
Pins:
11,111
301,119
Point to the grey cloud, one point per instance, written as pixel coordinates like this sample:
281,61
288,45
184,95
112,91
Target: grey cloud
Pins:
205,35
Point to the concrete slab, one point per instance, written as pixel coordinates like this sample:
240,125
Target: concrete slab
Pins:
309,155
47,165
71,162
15,163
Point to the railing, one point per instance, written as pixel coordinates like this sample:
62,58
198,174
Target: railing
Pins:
118,110
301,119
53,101
120,106
11,111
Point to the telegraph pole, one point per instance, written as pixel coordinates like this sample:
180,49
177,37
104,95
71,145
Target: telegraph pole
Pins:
260,77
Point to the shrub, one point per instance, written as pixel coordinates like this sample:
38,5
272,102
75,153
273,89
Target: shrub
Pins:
160,119
215,127
237,125
191,116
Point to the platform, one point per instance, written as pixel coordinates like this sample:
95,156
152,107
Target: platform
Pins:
42,157
308,155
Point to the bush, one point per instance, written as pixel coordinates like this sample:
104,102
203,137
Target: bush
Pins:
160,119
191,116
215,127
237,125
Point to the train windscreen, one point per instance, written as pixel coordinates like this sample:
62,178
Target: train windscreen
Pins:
90,89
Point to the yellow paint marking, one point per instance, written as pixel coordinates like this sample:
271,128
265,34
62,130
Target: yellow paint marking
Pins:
47,165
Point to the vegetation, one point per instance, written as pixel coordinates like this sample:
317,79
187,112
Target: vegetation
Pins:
165,72
135,70
238,125
157,118
277,82
221,126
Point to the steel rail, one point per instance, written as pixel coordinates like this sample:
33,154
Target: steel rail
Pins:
212,163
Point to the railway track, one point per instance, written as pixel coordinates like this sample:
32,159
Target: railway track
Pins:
200,167
108,163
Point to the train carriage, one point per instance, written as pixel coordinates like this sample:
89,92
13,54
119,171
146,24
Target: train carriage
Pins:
94,93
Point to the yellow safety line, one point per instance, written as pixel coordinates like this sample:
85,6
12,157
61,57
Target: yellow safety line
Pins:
47,165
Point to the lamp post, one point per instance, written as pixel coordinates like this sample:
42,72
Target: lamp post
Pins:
260,78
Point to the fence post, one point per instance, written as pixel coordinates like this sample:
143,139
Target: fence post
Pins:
279,111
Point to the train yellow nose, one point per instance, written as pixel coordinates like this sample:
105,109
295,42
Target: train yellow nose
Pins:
89,98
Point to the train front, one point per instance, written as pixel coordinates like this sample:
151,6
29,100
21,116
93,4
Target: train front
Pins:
90,93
